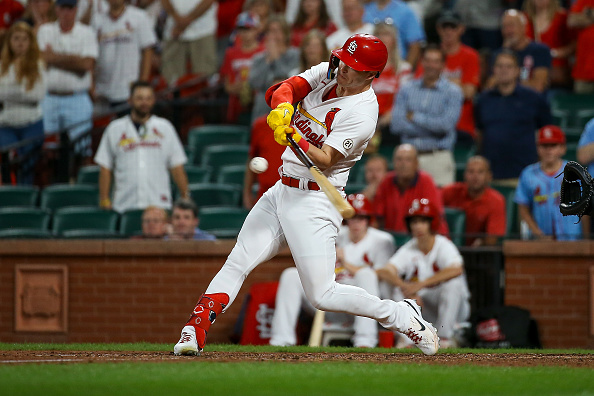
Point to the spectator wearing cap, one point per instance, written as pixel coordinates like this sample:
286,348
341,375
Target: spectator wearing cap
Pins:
507,116
581,18
237,64
126,40
462,68
534,58
539,187
411,35
352,13
190,34
425,115
70,50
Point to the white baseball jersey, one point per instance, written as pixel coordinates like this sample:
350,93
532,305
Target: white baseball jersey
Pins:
345,123
205,25
374,250
140,161
80,41
412,263
121,42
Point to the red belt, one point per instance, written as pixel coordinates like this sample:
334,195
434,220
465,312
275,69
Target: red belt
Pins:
292,182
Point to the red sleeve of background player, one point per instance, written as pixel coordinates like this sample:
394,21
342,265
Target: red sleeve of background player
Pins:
497,217
578,6
292,90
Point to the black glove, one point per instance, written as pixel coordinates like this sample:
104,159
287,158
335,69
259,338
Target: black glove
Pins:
577,189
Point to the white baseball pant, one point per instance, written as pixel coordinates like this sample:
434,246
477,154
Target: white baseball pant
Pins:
290,298
307,222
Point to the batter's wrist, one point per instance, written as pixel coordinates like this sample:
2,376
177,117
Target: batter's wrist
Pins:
304,144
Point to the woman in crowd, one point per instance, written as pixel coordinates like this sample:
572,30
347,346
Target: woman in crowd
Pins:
313,50
548,25
312,15
22,88
396,72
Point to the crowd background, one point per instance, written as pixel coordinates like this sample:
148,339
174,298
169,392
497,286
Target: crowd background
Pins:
507,67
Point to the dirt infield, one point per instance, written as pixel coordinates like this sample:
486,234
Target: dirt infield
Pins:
449,359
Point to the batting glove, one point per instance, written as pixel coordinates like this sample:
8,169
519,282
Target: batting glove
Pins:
280,135
281,116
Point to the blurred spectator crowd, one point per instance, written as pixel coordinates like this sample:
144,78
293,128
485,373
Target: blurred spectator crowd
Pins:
464,78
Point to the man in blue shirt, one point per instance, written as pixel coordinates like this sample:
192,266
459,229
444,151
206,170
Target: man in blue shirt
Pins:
410,32
507,117
539,188
425,114
184,221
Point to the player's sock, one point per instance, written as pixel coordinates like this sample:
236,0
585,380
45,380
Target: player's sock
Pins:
205,313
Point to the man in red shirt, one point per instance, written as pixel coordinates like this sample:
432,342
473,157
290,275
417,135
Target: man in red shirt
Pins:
581,18
484,206
462,68
400,187
260,146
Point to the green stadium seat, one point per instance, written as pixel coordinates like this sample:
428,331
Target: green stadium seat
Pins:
84,218
400,238
357,173
18,196
223,222
131,222
24,233
24,218
208,135
88,175
198,174
90,234
213,194
224,154
573,135
456,219
461,156
354,188
231,174
387,151
572,110
512,227
58,196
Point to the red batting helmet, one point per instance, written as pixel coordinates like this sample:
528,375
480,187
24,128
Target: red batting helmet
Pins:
361,204
362,52
423,208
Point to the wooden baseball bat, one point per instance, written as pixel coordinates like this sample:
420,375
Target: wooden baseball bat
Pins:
315,336
341,204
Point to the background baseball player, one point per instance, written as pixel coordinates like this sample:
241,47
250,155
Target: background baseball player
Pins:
140,150
334,120
433,271
360,251
538,191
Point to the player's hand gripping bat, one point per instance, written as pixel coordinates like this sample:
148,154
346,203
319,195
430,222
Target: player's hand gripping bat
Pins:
341,204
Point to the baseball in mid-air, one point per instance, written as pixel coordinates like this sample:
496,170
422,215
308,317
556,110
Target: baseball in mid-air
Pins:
258,165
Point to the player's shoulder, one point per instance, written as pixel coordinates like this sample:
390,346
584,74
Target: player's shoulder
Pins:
134,12
443,242
162,122
118,123
380,236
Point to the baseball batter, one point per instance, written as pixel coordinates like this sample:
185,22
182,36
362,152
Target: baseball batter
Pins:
360,251
334,118
430,266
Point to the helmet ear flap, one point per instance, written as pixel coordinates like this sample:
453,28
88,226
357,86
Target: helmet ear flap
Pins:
334,62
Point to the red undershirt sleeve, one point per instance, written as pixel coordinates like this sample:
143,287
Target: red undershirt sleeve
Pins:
292,90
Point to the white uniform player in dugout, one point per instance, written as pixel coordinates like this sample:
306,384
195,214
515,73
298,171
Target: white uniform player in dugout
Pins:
335,117
430,267
360,251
